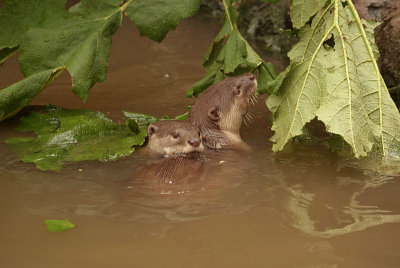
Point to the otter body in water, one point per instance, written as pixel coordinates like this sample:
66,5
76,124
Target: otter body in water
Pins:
218,113
175,148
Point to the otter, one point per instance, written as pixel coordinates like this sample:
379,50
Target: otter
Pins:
218,113
177,162
173,138
176,149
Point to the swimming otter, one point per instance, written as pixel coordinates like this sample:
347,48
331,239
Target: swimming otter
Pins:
180,144
174,138
218,113
177,163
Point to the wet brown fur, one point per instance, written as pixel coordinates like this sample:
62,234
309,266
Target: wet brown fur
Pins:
173,171
173,138
219,112
180,145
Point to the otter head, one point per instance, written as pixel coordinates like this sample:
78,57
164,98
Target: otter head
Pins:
174,138
222,108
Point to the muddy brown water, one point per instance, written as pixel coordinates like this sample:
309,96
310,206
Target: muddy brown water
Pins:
308,208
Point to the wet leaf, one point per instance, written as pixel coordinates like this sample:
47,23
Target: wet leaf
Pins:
142,120
334,75
58,225
155,18
73,135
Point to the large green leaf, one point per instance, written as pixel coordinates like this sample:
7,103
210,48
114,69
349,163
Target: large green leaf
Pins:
18,16
230,55
73,135
53,39
82,47
155,18
333,75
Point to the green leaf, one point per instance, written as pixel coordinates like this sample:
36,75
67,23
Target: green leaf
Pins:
269,81
17,17
204,83
58,225
53,39
184,116
73,135
155,18
235,53
82,47
229,55
142,120
132,125
95,9
18,95
302,10
334,75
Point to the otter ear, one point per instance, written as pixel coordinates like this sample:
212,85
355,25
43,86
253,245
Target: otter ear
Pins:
213,113
151,130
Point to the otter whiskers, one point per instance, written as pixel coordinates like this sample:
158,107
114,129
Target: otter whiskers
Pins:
248,118
254,98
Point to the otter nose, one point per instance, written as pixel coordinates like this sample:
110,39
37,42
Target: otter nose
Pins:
194,142
252,77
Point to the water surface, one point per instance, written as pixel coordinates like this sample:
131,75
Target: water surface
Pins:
307,208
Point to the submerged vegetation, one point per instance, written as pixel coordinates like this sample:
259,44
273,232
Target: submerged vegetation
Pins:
58,225
333,75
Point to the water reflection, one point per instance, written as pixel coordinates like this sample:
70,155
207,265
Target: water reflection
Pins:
229,183
328,198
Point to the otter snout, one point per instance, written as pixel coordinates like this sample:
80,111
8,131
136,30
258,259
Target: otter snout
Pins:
194,142
251,76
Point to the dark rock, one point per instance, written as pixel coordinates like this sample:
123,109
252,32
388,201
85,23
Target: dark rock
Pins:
388,40
259,22
375,9
263,24
212,9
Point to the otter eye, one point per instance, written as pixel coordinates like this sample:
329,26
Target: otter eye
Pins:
176,135
237,91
